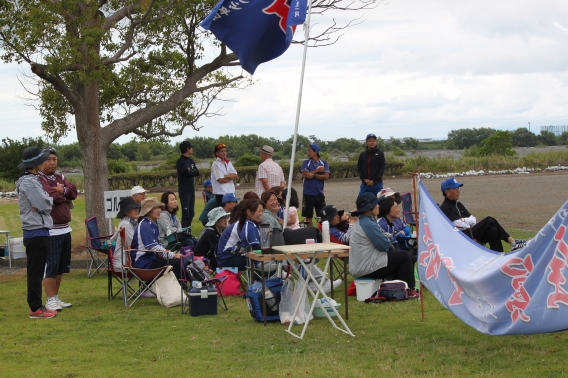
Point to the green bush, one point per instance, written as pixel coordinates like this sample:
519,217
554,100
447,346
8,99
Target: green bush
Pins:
397,151
248,160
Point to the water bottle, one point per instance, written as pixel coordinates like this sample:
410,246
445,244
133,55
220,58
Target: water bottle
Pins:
325,232
168,231
270,300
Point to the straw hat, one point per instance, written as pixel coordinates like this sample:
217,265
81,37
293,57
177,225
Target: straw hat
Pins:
149,204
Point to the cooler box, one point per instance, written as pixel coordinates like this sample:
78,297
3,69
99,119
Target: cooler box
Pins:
366,287
203,301
17,249
319,313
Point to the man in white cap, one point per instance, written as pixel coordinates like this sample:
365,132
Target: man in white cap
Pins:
269,173
138,193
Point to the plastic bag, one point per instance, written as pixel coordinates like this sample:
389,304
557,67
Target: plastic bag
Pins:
291,292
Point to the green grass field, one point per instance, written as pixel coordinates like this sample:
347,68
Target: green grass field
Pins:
101,338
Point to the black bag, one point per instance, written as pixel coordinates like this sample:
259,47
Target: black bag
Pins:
254,300
390,291
195,272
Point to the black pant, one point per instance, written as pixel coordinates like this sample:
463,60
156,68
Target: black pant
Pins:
219,199
488,230
187,199
399,266
36,252
175,263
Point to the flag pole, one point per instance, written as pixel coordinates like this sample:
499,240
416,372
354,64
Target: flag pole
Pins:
293,157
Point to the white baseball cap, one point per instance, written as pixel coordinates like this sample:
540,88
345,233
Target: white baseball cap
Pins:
137,190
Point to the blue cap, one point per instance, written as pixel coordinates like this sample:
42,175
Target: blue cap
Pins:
371,136
365,202
450,183
207,183
316,148
229,197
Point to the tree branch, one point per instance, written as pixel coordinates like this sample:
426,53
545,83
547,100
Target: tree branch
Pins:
56,81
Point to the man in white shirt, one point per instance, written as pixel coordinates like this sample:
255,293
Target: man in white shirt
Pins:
222,173
269,173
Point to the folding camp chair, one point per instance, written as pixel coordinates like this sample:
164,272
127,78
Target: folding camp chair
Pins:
186,285
407,211
96,245
145,277
116,275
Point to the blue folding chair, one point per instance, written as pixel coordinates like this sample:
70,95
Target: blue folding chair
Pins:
407,210
96,246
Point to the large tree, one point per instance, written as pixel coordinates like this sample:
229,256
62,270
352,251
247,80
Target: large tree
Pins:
111,67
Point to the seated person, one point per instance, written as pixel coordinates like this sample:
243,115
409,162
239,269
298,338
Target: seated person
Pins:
207,192
388,192
293,219
228,202
236,239
169,223
207,244
128,213
372,255
271,209
389,221
340,224
488,230
146,237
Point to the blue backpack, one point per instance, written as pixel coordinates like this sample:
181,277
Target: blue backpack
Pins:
254,300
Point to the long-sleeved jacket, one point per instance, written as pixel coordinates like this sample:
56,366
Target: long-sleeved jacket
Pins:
368,247
371,165
60,212
186,170
34,203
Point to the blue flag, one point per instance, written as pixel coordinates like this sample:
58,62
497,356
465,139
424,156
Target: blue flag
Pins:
256,30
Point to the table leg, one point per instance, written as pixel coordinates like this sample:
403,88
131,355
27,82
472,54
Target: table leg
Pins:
345,288
263,292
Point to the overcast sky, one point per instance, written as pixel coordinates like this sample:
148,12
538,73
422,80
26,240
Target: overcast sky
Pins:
415,68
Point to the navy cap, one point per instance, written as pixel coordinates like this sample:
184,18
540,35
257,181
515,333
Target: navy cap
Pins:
207,183
184,146
316,148
450,183
365,202
371,136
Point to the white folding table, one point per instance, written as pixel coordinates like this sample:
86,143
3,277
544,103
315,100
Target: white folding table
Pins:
300,252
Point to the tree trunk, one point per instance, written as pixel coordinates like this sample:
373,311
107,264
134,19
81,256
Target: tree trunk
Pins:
93,145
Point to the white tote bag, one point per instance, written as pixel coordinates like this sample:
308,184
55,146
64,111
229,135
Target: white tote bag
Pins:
168,290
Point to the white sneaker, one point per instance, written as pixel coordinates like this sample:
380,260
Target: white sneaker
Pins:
61,303
52,304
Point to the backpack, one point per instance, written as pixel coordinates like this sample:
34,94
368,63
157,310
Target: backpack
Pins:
390,291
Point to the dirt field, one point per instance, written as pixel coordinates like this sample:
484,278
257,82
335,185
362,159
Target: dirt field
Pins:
524,202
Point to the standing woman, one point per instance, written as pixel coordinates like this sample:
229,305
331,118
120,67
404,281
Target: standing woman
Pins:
168,223
128,213
146,237
372,255
222,173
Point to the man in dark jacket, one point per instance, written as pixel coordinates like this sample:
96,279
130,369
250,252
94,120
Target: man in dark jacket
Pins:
371,166
59,257
487,230
186,171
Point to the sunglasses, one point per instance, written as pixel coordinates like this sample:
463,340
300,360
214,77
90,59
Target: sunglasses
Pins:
220,145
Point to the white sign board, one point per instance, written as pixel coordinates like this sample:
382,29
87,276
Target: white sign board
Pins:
112,198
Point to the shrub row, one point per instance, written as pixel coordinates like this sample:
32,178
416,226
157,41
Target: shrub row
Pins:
246,175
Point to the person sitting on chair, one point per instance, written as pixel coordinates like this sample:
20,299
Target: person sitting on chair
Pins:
240,235
340,224
488,230
372,255
128,213
207,243
391,224
146,237
271,209
169,224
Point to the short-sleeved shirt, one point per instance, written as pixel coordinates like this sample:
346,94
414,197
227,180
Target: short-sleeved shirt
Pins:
313,186
270,171
220,169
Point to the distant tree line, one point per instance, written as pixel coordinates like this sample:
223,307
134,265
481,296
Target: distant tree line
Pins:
521,137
